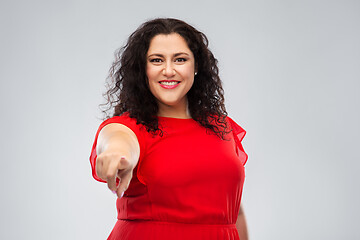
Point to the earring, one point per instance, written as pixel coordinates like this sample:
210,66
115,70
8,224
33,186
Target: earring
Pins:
195,73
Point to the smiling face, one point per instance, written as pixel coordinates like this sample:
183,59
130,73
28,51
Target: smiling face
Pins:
170,69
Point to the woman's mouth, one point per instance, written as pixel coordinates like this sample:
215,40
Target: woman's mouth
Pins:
169,84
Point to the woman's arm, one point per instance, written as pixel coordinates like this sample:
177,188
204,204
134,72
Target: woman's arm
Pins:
118,152
241,225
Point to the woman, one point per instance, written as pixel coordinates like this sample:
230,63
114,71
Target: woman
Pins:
169,151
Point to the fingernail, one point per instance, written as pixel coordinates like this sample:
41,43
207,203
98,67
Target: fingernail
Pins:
114,192
122,194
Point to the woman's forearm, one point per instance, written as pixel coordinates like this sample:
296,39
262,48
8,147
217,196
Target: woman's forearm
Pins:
241,225
118,152
117,137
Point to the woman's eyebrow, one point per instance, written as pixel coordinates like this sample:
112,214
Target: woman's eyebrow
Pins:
161,55
180,53
155,55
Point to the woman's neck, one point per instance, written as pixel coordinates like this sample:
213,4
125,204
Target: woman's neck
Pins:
181,111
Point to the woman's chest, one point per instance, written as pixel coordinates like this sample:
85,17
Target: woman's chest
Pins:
180,158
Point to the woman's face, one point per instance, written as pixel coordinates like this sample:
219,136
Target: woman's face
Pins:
170,68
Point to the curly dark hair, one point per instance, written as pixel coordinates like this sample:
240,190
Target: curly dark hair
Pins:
128,89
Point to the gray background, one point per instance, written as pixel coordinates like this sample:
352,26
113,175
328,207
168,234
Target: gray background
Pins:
291,72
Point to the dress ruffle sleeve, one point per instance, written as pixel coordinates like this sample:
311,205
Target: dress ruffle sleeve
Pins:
239,134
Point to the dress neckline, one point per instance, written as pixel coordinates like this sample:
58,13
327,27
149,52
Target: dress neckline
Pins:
173,118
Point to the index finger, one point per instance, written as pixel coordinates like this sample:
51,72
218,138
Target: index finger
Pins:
111,175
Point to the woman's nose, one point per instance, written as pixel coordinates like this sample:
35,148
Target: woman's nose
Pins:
169,70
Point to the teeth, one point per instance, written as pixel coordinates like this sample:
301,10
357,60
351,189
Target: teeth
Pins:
169,83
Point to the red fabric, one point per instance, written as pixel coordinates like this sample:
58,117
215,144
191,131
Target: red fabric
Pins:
187,184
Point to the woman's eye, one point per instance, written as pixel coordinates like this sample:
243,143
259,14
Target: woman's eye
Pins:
155,60
181,60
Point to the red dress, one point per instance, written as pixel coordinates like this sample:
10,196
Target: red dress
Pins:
187,184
